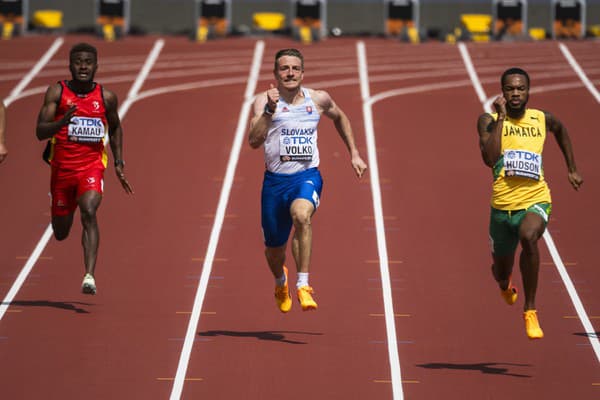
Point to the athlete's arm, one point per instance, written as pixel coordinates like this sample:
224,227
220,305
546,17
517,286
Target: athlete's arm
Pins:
561,135
259,124
115,133
490,133
3,149
46,125
342,124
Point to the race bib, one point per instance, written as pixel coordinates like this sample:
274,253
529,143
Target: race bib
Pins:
522,163
86,129
297,144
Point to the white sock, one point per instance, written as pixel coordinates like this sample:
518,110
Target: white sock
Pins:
280,281
302,279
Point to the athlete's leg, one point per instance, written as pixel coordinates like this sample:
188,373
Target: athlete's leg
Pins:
530,231
61,225
301,211
276,258
502,269
503,242
88,205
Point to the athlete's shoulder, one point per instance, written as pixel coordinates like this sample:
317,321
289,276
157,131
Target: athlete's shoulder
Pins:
533,114
320,97
109,97
54,92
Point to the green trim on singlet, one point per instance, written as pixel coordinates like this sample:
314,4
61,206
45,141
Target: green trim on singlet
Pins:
498,167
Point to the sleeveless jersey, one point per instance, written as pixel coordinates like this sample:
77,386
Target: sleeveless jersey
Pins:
80,144
518,174
291,143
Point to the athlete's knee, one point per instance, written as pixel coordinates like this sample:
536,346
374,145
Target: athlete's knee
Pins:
301,218
61,226
529,239
88,213
60,234
275,253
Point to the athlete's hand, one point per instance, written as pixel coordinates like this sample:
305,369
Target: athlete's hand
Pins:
500,106
272,97
66,119
359,166
575,179
3,152
123,180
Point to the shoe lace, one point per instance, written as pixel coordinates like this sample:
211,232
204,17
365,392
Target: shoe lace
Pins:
305,291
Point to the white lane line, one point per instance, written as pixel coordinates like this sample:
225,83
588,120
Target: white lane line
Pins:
581,313
48,232
472,74
388,305
234,156
34,71
137,85
14,94
16,286
575,65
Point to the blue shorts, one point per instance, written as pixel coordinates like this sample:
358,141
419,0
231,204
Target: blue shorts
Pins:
278,193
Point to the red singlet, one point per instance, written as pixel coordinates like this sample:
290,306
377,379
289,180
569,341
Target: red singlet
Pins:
80,145
78,156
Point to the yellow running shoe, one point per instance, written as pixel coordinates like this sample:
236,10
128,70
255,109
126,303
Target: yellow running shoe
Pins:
510,294
282,295
532,326
305,297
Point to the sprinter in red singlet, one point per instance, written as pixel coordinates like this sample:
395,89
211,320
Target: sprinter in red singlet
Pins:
80,117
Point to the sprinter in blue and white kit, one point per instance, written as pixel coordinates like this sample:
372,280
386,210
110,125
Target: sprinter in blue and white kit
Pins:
285,121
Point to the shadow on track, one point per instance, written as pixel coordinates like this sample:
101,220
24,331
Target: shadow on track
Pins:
588,334
485,368
63,305
276,336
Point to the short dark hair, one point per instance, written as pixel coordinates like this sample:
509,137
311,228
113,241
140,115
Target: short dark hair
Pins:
289,52
83,47
514,71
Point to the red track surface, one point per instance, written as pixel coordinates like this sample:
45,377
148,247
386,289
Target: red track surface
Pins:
455,337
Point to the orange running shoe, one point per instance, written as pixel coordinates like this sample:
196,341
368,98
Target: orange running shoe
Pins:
532,326
510,294
305,297
282,295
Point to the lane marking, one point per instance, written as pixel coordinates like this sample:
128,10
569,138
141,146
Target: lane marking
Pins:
577,68
202,312
395,315
34,71
39,258
390,324
583,317
567,264
234,156
389,261
35,255
186,379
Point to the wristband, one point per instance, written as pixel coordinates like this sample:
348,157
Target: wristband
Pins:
268,110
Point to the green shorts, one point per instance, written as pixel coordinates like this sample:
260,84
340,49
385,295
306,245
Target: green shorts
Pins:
504,227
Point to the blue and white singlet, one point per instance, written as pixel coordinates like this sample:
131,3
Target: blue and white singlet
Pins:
291,144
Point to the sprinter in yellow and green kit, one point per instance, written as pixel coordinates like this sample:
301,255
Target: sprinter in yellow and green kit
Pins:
511,141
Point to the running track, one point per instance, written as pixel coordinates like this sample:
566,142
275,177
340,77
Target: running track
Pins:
408,308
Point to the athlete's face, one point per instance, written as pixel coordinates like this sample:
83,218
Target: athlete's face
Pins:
516,92
83,66
289,72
